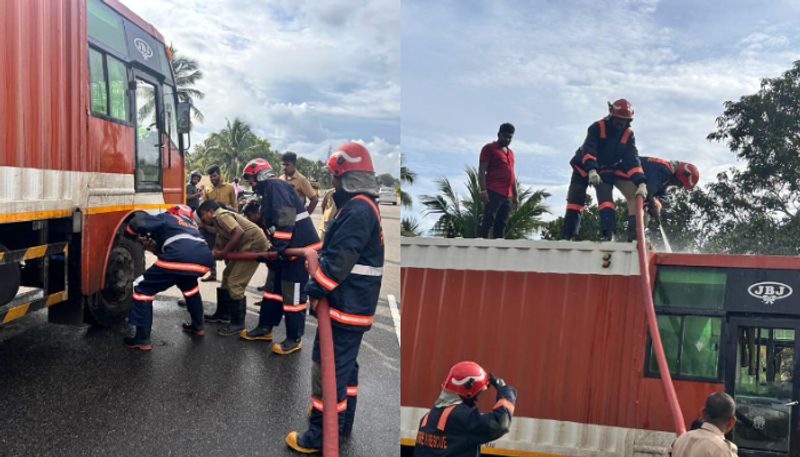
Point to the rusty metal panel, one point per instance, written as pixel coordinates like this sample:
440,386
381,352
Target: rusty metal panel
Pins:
43,44
573,344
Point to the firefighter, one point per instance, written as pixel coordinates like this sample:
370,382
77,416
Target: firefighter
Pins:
235,233
349,275
288,225
183,257
609,147
661,174
455,425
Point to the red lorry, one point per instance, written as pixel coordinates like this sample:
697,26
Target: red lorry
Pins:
92,131
564,323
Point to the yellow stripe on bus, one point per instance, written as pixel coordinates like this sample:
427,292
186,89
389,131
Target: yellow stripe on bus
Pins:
57,213
57,297
16,312
496,451
34,252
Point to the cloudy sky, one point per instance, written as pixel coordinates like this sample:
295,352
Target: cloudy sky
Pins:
550,66
306,75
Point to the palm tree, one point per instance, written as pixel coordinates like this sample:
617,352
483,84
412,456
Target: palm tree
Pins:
187,73
406,177
461,216
232,147
409,227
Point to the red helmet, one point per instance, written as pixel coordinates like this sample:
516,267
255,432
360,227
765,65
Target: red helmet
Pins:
621,108
350,157
467,379
254,167
181,210
688,175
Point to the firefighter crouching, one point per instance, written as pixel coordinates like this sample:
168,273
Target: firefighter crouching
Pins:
660,174
349,274
235,233
288,225
455,426
183,257
609,150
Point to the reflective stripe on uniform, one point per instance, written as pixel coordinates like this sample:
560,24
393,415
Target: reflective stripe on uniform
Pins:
503,403
317,404
182,266
371,203
190,292
143,297
574,207
316,246
301,216
350,319
602,124
271,296
604,205
443,418
325,281
625,135
294,308
366,270
352,391
587,157
282,235
182,236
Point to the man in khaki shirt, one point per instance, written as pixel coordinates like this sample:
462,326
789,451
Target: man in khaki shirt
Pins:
235,233
300,183
220,191
719,417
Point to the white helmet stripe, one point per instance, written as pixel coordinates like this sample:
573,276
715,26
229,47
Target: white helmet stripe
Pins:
462,381
347,157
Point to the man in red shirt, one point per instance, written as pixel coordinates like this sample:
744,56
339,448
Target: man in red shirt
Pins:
496,179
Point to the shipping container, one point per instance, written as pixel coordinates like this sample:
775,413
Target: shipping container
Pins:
564,323
89,136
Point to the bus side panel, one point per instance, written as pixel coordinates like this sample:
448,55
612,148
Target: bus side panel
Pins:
99,231
42,76
111,148
573,344
174,178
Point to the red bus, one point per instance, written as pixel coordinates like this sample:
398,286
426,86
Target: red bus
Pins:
90,134
565,324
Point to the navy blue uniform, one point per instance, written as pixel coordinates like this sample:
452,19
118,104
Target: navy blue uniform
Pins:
183,256
612,153
459,430
350,273
288,225
660,174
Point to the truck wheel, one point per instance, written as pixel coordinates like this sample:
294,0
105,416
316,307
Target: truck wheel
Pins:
125,264
11,279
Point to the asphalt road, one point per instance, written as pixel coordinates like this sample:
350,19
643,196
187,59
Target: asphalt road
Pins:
79,391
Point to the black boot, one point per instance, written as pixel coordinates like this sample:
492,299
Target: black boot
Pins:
238,309
631,228
223,314
141,340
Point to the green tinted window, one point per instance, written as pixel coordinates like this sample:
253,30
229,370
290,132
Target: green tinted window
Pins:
97,83
105,26
691,344
690,287
118,88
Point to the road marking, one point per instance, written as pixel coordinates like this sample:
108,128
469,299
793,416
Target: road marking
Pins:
395,316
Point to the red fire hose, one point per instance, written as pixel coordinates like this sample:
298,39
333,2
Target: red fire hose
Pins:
649,307
330,418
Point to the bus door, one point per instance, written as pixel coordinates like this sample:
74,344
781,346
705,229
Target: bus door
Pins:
760,374
149,139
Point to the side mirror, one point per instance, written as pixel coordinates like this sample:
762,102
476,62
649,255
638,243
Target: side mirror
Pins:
184,119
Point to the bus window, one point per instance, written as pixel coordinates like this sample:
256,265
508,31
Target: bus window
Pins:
105,27
148,141
117,89
97,83
684,287
170,123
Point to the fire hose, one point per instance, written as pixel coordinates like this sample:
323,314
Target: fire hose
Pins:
330,419
652,323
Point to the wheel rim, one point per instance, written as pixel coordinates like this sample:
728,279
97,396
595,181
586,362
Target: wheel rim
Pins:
119,278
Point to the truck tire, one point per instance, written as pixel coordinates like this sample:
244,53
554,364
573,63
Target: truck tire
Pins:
110,305
11,280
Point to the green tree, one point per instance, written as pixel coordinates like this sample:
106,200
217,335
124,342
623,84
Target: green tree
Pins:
386,180
410,227
231,148
406,177
461,216
187,73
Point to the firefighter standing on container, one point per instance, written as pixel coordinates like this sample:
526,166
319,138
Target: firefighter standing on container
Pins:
183,257
454,426
609,150
349,275
235,233
288,225
661,174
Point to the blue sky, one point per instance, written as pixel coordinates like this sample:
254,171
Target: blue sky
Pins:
550,66
306,75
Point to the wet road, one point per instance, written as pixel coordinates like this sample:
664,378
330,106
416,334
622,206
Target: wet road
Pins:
80,391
